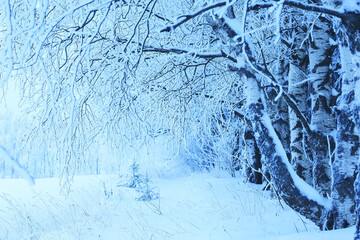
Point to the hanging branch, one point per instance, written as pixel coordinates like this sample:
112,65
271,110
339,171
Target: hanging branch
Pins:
137,24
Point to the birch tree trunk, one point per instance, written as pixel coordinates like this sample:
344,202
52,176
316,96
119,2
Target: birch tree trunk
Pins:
347,137
298,88
347,152
253,157
278,109
347,116
322,118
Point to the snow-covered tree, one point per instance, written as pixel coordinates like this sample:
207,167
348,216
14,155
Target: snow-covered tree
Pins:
130,70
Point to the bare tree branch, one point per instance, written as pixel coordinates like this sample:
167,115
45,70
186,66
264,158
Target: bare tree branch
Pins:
352,17
137,24
182,51
190,16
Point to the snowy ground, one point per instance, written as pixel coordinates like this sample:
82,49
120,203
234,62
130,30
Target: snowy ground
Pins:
198,206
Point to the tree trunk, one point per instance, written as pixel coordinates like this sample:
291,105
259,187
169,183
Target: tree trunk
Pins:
298,88
253,157
292,189
322,118
347,137
278,109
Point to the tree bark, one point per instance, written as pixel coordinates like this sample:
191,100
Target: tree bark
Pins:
252,166
278,109
347,137
322,118
298,87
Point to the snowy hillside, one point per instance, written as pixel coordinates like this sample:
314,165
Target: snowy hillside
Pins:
200,206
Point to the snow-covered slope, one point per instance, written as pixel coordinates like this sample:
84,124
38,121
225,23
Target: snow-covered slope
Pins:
199,206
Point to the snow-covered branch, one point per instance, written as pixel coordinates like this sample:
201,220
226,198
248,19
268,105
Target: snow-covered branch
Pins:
352,17
188,17
189,52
